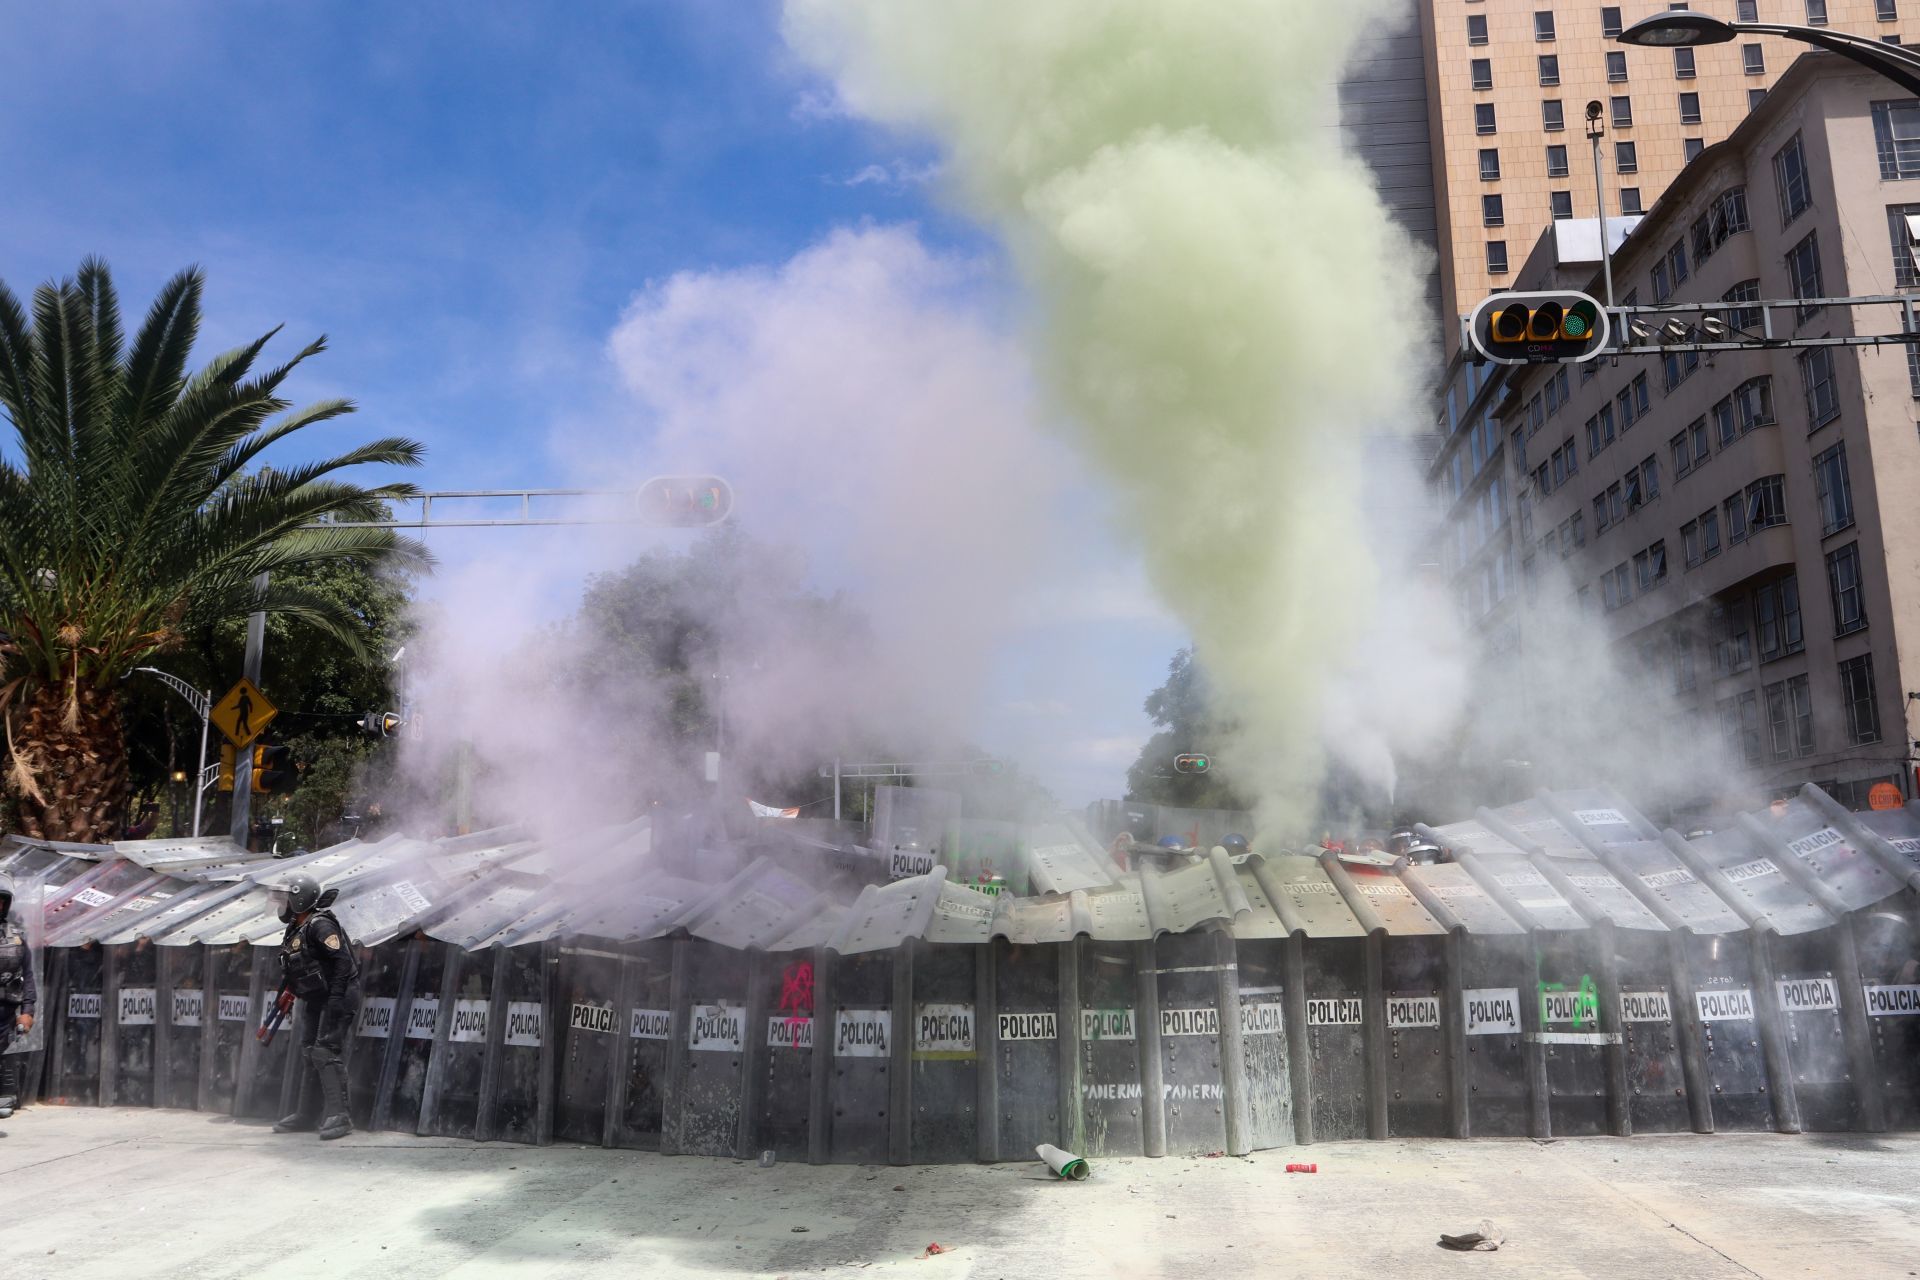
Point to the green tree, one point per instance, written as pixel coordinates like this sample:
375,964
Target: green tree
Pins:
1187,724
129,518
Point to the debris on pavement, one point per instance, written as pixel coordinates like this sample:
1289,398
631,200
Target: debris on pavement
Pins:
1487,1238
934,1248
1303,1168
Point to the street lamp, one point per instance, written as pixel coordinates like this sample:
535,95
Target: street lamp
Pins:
1682,28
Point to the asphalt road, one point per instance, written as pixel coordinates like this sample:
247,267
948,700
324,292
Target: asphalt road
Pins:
126,1193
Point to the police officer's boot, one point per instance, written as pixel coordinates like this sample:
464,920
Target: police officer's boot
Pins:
333,1092
306,1111
9,1084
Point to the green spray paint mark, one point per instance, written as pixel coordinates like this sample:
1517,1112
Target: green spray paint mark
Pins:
1581,1007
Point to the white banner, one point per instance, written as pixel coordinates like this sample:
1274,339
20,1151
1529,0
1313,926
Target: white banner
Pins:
469,1021
943,1028
1725,1005
863,1033
523,1023
717,1028
376,1017
138,1005
423,1017
1492,1011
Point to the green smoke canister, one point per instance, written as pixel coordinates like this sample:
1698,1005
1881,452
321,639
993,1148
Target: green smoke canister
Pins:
1063,1163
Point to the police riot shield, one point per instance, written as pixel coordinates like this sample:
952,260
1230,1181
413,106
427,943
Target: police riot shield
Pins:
946,1057
78,977
1496,975
382,973
1575,1029
782,1088
271,1069
703,1102
450,1101
1414,982
1026,1064
1110,1101
913,828
406,1052
1728,1019
1808,992
1657,1100
1335,973
1189,1035
587,1027
1264,1004
182,1015
646,1035
226,1022
128,1027
28,893
863,1025
513,1080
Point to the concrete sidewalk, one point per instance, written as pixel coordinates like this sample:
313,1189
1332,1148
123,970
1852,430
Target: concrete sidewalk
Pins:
124,1193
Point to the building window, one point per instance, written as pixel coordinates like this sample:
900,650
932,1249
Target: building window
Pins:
1835,489
1745,318
1755,97
1843,581
1483,73
1492,211
1766,503
1803,273
1857,695
1553,115
1691,148
1622,111
1816,13
1896,135
1735,511
1886,10
1901,221
1725,422
1709,534
1740,722
1476,28
1630,201
1678,366
1732,639
1650,477
1556,162
1625,158
1543,24
1790,177
1747,11
1610,21
1490,164
1549,69
1497,257
1754,400
1789,718
1562,202
1690,542
1689,108
1816,377
1754,59
1776,619
1616,67
1683,64
1483,117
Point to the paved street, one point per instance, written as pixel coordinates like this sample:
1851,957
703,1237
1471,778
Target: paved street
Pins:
177,1194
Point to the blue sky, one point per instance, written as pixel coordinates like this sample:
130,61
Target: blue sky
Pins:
466,198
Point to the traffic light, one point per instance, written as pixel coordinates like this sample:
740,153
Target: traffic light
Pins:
1191,762
987,768
1539,328
684,502
226,766
273,771
381,724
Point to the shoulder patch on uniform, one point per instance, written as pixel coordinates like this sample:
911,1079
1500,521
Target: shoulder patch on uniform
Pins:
333,940
293,943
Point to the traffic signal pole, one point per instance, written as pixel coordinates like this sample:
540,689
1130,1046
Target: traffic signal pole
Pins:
1597,130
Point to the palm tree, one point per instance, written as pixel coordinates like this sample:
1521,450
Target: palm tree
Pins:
130,516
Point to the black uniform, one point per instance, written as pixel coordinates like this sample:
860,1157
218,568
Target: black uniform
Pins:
318,965
18,995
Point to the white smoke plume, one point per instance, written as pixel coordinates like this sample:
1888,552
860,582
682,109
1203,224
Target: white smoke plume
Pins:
1214,282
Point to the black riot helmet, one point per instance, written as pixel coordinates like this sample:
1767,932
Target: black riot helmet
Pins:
297,896
1235,844
6,896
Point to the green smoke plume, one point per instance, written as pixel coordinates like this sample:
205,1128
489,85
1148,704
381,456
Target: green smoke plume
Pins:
1223,309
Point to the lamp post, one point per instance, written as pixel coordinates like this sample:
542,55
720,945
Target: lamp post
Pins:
1682,29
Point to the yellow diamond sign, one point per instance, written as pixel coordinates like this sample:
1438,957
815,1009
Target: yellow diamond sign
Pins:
244,713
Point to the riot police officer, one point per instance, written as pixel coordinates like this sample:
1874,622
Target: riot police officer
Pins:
18,995
317,964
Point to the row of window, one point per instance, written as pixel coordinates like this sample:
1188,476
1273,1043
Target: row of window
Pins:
1545,28
1628,494
1648,569
1753,61
1789,706
1553,119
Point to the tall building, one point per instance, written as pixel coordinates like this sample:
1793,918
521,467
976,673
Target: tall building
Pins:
1383,118
1508,84
1739,525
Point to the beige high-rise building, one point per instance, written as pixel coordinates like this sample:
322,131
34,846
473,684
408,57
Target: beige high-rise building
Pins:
1508,83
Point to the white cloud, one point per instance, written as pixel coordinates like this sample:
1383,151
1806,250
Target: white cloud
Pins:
894,175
